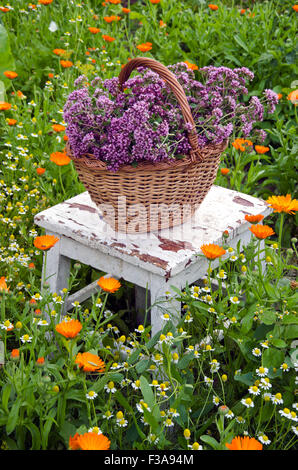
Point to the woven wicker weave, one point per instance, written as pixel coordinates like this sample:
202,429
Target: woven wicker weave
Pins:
152,196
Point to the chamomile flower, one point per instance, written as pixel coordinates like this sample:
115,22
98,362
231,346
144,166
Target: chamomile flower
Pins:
254,390
286,413
136,385
247,402
277,399
257,352
195,446
262,371
168,423
234,300
26,338
216,400
108,415
240,420
95,430
264,439
110,387
141,406
221,275
284,367
91,395
166,317
265,383
140,329
229,414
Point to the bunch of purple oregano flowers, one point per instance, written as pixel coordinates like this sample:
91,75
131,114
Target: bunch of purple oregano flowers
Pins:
145,123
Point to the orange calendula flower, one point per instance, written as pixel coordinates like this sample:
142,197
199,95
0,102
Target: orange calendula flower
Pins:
261,149
145,47
224,171
11,122
40,171
15,354
242,11
45,2
244,443
58,127
108,38
109,284
212,251
90,362
114,2
45,242
9,74
293,97
40,361
242,144
69,329
94,30
4,9
261,231
60,158
295,7
4,106
66,64
154,2
191,66
3,285
279,96
254,219
213,7
89,441
283,204
125,10
59,51
110,19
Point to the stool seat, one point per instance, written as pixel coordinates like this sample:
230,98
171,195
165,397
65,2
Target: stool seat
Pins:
154,260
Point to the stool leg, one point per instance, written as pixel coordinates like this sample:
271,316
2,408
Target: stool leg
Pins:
158,289
56,269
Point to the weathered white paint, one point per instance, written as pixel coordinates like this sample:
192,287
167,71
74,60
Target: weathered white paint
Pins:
155,260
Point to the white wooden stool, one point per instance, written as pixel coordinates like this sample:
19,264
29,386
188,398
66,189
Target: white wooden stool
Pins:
153,261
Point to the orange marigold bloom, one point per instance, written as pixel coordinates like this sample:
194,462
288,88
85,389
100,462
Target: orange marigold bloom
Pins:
58,127
293,97
114,2
60,158
40,361
212,251
261,149
69,329
4,9
73,442
40,171
3,285
89,441
110,19
295,7
191,66
45,242
11,122
59,51
145,47
10,74
244,443
254,219
90,362
125,10
261,231
242,11
15,354
66,64
283,204
213,7
31,266
4,106
94,30
224,171
242,144
107,38
279,96
109,284
45,2
154,2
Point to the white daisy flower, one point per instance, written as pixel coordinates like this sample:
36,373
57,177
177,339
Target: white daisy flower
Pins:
247,402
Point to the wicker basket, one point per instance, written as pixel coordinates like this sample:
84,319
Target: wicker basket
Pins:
151,196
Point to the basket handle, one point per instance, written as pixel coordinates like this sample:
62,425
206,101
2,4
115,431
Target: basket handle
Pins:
176,88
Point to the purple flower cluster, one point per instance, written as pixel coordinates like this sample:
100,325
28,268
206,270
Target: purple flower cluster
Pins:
145,123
